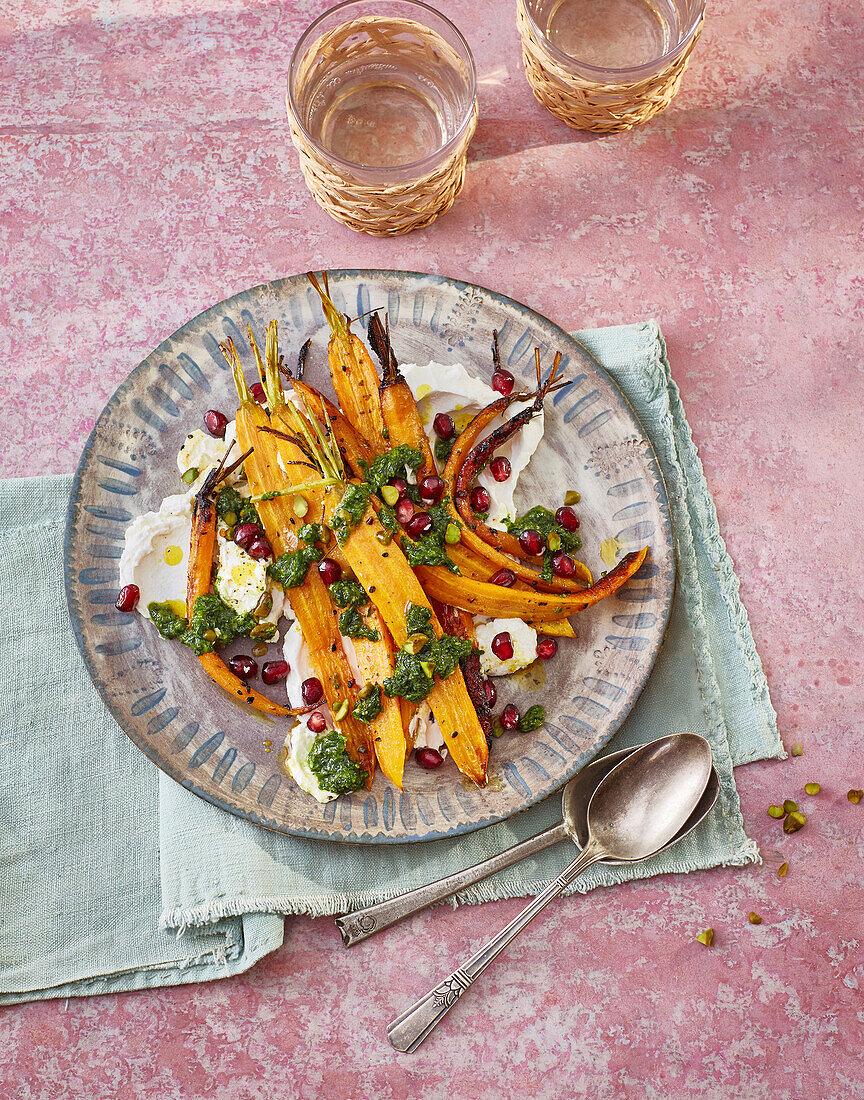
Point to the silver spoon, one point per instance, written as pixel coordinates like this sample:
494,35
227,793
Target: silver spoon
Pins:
362,923
634,812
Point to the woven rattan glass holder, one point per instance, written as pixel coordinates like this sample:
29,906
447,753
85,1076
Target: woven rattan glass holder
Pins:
382,107
606,100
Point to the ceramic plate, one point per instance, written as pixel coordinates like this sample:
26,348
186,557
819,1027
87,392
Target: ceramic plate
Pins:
195,733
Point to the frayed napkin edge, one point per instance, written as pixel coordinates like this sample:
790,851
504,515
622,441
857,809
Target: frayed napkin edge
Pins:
182,920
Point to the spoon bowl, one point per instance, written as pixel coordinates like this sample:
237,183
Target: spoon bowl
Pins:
577,794
647,798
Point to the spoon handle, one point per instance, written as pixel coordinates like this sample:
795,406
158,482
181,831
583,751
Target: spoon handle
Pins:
366,922
408,1031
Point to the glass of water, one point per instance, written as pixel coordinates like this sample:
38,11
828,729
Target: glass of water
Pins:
607,65
382,106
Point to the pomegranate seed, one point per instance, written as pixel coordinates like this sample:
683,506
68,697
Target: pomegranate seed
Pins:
444,426
259,548
480,499
246,533
562,564
502,646
505,577
567,518
432,488
420,525
502,382
531,541
404,510
491,692
546,648
316,722
400,485
243,666
312,691
510,717
429,758
500,468
215,423
257,391
274,671
127,598
331,571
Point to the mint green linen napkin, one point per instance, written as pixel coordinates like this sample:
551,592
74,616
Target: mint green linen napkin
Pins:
113,877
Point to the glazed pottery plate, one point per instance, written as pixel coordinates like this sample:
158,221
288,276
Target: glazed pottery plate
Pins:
228,753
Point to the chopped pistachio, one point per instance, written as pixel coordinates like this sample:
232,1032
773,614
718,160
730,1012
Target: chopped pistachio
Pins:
428,668
855,795
706,937
782,869
797,749
384,537
366,691
553,540
259,649
340,711
754,918
775,811
794,821
789,806
497,728
811,788
572,497
390,494
451,534
190,475
299,505
415,643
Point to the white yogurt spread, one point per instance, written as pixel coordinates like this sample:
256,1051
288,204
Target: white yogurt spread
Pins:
523,637
452,390
241,581
299,742
156,554
202,451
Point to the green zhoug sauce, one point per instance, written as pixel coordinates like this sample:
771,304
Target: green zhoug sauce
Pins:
213,624
350,595
229,502
369,708
331,765
291,568
414,675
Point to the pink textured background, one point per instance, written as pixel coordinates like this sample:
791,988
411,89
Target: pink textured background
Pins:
146,172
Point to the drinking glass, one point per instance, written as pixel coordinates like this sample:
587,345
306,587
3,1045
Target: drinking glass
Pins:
382,106
607,65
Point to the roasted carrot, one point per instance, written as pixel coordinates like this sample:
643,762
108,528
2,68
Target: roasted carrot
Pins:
398,407
355,379
201,546
375,661
392,584
461,625
479,597
470,529
386,737
309,601
561,628
353,447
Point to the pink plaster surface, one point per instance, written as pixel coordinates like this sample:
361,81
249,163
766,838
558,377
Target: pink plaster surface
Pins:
146,172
